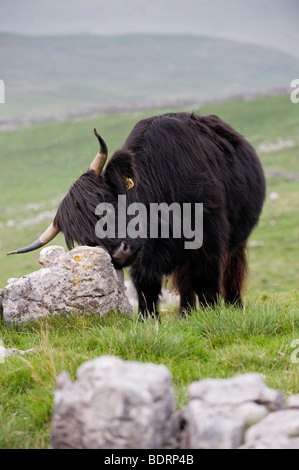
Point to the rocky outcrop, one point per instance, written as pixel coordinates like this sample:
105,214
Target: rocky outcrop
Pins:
220,410
116,404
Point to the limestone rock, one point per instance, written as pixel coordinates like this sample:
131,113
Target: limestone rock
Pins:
234,391
114,404
211,429
7,352
82,279
278,430
293,401
50,254
219,410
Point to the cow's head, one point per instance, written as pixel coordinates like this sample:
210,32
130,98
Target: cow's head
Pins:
76,216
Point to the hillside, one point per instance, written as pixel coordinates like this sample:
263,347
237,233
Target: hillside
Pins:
46,76
266,22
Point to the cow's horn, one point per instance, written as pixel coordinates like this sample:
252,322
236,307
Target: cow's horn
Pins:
45,238
101,157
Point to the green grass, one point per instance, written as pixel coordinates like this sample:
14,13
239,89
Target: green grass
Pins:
38,165
216,343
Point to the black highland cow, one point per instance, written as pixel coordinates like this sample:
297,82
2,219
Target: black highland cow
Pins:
181,158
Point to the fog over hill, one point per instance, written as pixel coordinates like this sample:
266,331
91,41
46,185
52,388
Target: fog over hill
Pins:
272,23
52,75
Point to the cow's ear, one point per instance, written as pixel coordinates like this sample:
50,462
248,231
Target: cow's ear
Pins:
120,169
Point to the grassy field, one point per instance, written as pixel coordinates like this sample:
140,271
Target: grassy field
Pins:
38,164
218,343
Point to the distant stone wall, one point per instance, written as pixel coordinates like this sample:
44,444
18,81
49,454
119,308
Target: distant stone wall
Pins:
116,404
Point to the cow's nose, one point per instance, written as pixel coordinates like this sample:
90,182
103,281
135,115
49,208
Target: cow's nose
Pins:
122,254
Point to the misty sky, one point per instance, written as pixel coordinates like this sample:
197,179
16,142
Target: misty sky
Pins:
269,22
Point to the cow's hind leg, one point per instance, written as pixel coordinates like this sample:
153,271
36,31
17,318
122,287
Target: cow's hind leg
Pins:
235,275
182,284
207,278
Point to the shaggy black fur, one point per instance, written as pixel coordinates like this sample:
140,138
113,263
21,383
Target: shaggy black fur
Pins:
178,157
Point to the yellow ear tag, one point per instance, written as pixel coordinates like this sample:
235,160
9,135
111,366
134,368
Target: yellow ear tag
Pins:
129,183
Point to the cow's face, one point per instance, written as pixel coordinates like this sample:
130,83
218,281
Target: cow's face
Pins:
77,216
83,219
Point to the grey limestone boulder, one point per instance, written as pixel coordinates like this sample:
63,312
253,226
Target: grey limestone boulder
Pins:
293,401
82,279
115,404
278,430
235,391
219,411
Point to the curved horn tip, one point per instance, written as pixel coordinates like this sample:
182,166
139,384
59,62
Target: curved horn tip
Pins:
45,238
